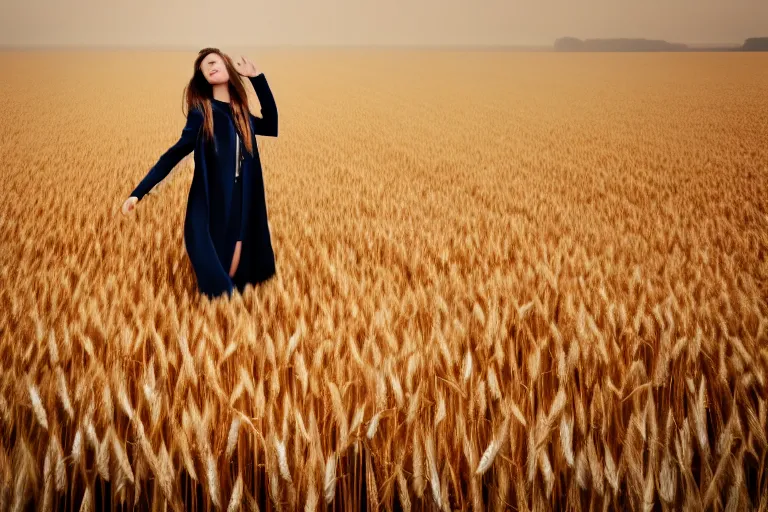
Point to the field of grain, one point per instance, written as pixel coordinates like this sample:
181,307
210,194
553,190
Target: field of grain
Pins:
505,281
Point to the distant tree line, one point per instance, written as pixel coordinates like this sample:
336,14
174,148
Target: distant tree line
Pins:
573,44
755,44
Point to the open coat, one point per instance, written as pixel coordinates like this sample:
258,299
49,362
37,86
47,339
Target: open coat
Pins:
209,244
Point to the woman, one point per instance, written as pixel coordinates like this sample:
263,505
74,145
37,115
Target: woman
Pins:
226,218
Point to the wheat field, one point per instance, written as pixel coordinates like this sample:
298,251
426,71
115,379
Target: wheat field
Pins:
505,281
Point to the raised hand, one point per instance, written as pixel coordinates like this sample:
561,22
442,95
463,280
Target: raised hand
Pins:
245,67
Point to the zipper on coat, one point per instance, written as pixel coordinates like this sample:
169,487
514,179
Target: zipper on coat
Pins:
237,157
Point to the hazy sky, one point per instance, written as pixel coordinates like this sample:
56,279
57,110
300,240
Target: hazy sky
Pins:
198,23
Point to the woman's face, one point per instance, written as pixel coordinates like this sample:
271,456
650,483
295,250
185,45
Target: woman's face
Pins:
214,70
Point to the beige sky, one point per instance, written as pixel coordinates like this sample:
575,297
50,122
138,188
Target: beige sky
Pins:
197,23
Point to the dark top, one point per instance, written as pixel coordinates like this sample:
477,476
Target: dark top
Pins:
224,141
223,134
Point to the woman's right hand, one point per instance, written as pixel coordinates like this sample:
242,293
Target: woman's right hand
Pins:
130,204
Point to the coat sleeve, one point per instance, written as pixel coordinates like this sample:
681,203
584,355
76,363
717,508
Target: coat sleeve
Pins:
173,155
266,124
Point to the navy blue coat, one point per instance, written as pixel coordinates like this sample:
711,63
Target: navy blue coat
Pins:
209,244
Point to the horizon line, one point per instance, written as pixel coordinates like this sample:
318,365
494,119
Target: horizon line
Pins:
196,47
190,47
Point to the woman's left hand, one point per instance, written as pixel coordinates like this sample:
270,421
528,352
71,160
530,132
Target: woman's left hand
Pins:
245,67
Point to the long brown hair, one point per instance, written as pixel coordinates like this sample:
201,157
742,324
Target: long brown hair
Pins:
198,94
